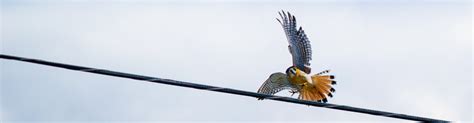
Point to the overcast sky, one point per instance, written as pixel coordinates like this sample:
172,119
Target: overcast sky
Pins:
399,56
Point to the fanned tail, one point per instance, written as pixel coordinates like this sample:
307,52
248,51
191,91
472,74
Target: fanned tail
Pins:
320,90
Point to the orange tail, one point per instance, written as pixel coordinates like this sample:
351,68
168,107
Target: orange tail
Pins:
320,90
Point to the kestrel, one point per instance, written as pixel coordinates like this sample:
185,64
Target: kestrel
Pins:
297,77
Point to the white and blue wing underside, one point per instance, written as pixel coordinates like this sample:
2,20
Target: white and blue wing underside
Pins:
275,83
299,45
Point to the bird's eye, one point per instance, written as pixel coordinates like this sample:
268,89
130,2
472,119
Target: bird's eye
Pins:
292,70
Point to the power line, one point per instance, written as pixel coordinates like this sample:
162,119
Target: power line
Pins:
220,89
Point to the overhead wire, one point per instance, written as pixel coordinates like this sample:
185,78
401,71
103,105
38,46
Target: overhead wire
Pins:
220,89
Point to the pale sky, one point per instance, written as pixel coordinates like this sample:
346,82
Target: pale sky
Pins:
398,56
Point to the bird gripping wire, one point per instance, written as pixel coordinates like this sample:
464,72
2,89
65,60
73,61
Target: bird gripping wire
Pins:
220,89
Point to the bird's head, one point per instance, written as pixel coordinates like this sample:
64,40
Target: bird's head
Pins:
291,71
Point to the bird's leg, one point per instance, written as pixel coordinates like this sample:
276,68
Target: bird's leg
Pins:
293,92
296,91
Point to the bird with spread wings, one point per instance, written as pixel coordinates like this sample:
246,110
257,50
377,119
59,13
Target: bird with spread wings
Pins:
297,77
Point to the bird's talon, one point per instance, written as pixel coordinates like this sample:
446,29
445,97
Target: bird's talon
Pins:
293,92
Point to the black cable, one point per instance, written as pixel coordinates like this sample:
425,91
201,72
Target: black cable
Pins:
220,89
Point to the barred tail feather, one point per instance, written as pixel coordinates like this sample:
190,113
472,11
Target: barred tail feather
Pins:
320,90
323,72
312,93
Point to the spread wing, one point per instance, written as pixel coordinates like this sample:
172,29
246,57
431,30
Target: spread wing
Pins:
275,83
300,47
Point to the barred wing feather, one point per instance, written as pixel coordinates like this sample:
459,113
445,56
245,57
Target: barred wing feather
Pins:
299,45
275,83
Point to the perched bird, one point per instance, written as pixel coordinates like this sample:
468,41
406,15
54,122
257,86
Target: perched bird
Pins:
297,77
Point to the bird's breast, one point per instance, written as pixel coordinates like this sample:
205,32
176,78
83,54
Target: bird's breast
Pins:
300,79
